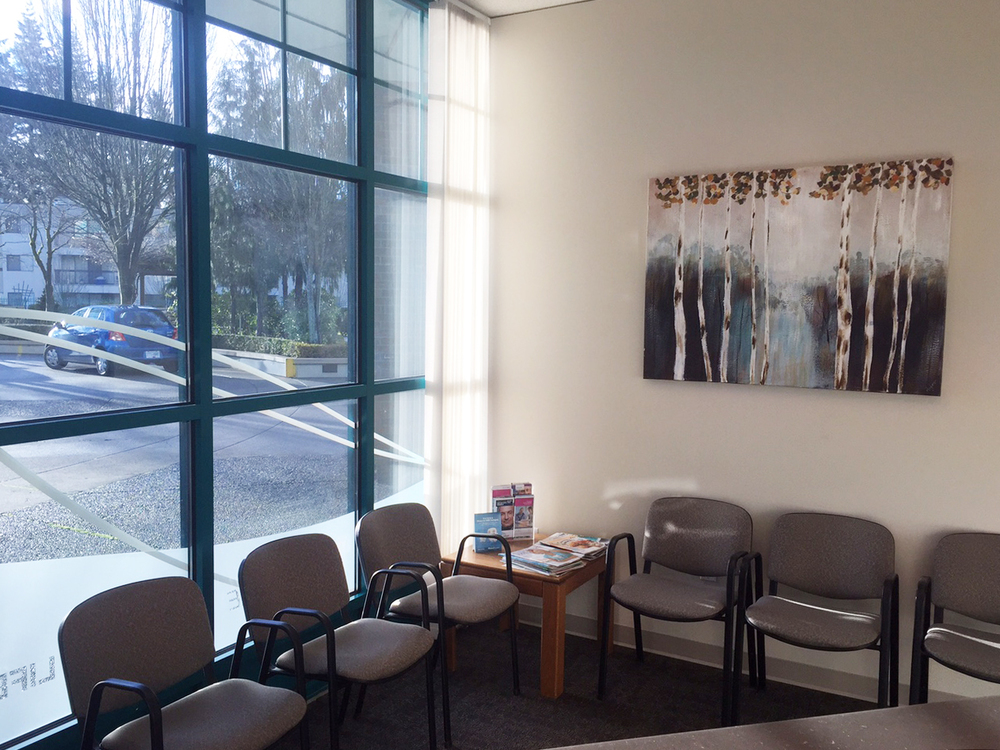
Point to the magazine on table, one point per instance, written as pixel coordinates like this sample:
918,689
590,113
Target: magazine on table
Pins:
503,503
588,546
547,560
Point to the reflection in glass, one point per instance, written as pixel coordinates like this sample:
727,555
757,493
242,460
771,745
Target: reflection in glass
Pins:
279,473
78,515
400,284
321,110
123,57
399,45
259,16
88,231
244,88
399,447
31,32
283,244
399,132
323,27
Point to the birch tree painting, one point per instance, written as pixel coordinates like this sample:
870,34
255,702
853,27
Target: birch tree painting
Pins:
824,277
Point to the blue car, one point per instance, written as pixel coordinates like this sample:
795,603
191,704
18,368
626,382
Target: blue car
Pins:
102,340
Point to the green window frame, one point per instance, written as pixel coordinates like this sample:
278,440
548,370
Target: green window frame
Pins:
191,136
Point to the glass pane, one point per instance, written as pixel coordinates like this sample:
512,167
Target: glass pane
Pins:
399,132
123,56
283,247
399,45
400,284
89,226
321,110
278,473
244,88
323,27
80,515
259,16
31,33
399,448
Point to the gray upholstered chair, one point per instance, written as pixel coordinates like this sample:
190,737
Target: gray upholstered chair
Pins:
701,542
837,559
123,646
963,581
300,580
403,535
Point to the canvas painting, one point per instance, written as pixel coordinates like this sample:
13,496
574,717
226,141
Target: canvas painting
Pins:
822,277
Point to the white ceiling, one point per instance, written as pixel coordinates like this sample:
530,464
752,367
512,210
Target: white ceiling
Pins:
495,8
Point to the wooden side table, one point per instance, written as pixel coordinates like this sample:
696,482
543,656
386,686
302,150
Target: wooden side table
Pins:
553,593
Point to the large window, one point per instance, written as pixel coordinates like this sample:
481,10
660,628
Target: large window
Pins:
212,215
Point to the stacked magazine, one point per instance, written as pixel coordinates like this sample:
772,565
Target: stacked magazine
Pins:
558,554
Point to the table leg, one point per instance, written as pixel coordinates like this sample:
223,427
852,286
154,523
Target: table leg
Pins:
600,614
553,656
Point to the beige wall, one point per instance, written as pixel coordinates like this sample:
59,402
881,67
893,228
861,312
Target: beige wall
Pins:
589,102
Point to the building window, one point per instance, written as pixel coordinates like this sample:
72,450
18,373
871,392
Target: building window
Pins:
276,383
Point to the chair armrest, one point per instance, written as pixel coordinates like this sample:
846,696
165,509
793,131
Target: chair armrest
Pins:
389,574
750,574
609,560
733,572
273,626
438,581
143,691
922,613
499,538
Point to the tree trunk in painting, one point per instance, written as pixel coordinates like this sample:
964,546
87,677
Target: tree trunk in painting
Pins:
767,295
905,179
909,281
844,295
680,324
702,329
753,293
741,188
870,178
727,301
833,182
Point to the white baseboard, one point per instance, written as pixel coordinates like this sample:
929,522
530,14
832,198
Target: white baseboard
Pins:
780,670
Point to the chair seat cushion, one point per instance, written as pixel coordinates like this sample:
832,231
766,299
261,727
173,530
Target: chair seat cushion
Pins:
671,599
968,650
228,715
368,650
467,599
813,626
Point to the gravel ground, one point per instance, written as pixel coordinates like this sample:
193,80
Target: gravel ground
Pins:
253,497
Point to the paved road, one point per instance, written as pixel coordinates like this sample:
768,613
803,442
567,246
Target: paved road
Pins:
269,476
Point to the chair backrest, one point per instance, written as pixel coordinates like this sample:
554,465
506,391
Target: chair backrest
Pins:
695,535
964,575
304,571
397,533
838,557
155,632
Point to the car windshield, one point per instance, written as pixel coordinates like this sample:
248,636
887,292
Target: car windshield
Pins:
142,318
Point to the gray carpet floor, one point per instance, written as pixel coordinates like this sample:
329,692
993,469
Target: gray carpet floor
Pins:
657,696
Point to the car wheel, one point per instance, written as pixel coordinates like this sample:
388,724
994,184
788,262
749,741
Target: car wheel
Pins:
104,368
171,366
52,358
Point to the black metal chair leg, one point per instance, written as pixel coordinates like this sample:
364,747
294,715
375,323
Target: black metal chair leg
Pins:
334,724
637,628
362,690
727,670
343,704
431,718
442,659
737,677
512,617
602,670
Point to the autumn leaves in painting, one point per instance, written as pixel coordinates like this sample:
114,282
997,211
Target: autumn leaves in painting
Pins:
824,277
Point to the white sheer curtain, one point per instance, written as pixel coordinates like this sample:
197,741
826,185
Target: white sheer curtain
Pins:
458,266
